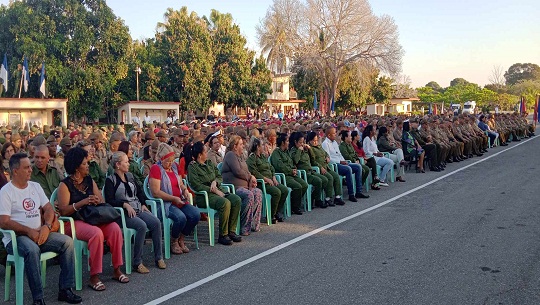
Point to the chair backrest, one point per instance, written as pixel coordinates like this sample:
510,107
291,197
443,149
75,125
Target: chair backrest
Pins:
219,166
53,196
146,188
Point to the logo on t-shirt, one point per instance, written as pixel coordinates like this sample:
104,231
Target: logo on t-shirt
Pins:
29,204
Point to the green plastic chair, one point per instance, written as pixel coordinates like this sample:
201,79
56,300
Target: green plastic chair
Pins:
166,221
334,167
392,175
139,161
81,247
211,212
18,261
267,202
306,200
280,177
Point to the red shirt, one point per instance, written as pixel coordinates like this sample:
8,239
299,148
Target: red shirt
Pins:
155,173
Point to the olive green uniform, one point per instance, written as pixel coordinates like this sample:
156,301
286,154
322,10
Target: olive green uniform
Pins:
261,168
282,163
302,161
200,177
318,158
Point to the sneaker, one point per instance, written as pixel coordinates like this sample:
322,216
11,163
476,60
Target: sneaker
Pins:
383,184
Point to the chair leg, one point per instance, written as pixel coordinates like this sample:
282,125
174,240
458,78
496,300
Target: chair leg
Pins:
167,238
78,266
19,282
127,251
196,238
211,228
7,281
43,273
268,209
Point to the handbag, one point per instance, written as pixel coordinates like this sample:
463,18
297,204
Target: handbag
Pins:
100,214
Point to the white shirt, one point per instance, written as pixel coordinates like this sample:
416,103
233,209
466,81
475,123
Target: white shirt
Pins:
332,149
370,147
22,205
136,120
147,120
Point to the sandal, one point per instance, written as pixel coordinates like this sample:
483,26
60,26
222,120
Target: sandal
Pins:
97,286
121,279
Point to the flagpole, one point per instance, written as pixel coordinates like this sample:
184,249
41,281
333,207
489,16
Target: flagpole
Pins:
20,86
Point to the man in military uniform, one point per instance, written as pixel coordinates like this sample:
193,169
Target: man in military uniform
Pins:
429,148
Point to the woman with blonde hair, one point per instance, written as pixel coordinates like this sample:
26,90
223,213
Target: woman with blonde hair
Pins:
235,171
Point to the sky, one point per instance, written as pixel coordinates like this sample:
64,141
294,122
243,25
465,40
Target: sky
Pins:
442,39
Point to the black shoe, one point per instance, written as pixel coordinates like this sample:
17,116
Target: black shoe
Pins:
480,155
330,203
376,180
274,221
449,161
279,217
360,195
224,240
67,295
339,201
39,302
352,198
375,187
435,169
297,211
321,204
504,144
235,237
441,167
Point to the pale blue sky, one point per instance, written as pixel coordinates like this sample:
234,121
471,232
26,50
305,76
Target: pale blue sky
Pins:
442,39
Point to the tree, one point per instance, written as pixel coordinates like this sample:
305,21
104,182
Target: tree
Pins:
273,35
435,86
528,89
521,72
306,82
382,92
83,44
356,86
497,77
233,61
184,53
430,95
259,85
402,87
458,82
329,35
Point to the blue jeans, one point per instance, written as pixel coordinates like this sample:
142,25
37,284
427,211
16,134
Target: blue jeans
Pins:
31,252
184,219
348,171
385,165
143,221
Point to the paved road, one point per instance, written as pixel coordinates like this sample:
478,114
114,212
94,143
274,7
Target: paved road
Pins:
470,237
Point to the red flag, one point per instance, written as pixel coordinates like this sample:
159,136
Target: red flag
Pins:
535,116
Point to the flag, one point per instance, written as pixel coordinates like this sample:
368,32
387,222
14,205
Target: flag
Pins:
42,81
25,75
435,109
315,100
332,105
522,107
4,74
535,116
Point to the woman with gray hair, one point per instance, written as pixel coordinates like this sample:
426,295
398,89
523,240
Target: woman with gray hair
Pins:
121,191
165,183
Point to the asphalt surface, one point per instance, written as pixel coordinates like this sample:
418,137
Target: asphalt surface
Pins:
470,237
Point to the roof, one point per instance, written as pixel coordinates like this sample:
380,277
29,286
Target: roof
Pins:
147,102
285,101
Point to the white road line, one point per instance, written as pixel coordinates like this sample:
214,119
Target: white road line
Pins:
311,233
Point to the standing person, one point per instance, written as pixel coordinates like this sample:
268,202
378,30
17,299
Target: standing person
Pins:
147,119
23,204
74,193
235,171
165,183
283,163
204,176
136,119
349,170
121,190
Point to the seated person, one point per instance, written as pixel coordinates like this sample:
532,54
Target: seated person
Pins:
165,183
385,144
259,166
121,190
19,199
95,170
347,151
74,193
203,175
44,174
371,149
235,171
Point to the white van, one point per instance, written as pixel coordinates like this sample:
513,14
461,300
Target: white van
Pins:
468,107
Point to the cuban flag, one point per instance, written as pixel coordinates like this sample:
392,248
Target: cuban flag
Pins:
315,100
25,75
4,74
42,80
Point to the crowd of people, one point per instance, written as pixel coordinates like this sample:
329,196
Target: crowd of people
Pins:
317,162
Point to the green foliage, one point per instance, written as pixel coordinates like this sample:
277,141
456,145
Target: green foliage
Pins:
435,86
458,82
522,72
184,53
260,83
306,82
382,92
83,44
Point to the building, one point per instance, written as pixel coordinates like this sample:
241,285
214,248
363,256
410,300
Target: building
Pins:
283,96
395,106
157,111
33,111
